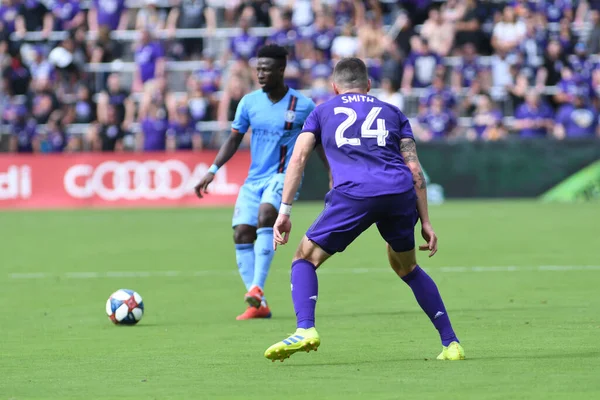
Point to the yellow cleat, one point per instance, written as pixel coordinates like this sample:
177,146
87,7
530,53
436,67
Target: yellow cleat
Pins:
301,340
453,352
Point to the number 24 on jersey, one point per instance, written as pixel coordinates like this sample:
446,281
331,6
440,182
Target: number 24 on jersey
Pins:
379,133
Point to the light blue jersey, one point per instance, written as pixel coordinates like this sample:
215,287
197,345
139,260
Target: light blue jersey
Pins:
275,128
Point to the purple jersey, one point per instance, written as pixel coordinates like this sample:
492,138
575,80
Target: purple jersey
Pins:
322,40
524,111
578,122
343,12
361,138
439,124
554,9
244,46
582,66
570,87
25,132
469,70
293,68
56,141
109,12
8,16
64,11
183,135
285,38
446,95
424,66
208,78
154,131
486,120
321,70
146,57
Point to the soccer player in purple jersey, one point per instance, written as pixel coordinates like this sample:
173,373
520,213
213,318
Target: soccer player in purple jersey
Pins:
377,179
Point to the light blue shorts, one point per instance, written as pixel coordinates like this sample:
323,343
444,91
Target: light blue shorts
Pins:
252,195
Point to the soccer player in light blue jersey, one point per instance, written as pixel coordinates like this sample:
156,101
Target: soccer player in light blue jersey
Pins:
275,114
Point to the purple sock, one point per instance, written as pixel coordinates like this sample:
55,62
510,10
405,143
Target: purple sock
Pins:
305,288
428,297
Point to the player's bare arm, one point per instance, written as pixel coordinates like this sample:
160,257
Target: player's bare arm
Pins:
321,152
227,150
293,176
408,149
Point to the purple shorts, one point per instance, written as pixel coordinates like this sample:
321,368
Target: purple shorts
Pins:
345,218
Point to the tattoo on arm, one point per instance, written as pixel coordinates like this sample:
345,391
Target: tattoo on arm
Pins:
408,148
423,182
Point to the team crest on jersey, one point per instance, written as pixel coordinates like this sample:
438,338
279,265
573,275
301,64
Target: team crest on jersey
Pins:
290,116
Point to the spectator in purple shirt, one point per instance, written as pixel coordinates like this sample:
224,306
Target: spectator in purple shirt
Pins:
469,69
286,34
533,119
421,65
153,135
67,14
109,13
576,120
209,75
293,74
555,10
244,46
149,57
181,132
23,131
348,12
322,33
487,121
438,89
320,68
581,63
9,10
569,86
436,123
54,138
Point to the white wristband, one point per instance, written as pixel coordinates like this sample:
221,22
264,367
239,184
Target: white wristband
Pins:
285,209
213,169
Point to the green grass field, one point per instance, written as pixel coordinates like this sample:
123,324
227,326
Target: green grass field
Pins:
526,306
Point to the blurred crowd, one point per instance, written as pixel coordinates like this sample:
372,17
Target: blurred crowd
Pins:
461,69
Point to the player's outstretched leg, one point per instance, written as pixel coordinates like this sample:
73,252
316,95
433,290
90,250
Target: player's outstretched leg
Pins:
305,291
430,300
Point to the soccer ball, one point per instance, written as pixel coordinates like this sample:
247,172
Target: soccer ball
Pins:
125,307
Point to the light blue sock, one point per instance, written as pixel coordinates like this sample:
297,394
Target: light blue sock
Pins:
244,255
263,255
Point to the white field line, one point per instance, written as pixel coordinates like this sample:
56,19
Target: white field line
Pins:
337,271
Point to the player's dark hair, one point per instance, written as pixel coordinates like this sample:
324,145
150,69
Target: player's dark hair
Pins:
351,73
275,52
